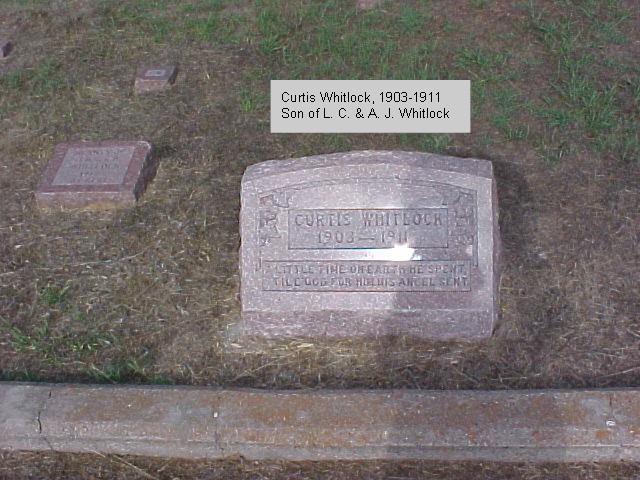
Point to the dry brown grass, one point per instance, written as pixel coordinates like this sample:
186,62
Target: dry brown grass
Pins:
57,465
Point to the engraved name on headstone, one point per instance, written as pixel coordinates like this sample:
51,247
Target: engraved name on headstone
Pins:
94,166
96,175
370,244
153,79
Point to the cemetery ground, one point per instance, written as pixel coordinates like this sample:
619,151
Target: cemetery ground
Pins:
150,294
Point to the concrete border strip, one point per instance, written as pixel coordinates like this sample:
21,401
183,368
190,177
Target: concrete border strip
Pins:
193,422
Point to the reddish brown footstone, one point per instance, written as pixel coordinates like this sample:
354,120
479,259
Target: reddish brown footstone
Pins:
5,48
370,244
154,79
183,422
96,175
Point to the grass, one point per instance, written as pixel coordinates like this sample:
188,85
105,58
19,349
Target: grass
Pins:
230,50
412,21
435,143
347,45
470,58
125,371
149,294
250,100
199,21
54,349
52,295
590,106
41,81
13,80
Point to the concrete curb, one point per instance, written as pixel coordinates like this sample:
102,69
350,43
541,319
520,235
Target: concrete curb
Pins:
188,422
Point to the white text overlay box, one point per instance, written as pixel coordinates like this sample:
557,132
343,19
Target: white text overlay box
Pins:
370,106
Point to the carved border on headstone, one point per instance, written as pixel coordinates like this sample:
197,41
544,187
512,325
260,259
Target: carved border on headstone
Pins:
462,201
270,207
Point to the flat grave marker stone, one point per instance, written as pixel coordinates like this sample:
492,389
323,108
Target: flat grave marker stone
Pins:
370,244
155,78
5,48
96,175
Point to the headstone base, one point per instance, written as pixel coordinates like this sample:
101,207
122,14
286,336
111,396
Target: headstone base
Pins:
338,324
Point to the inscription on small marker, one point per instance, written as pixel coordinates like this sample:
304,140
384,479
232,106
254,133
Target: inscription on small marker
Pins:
94,166
96,175
368,244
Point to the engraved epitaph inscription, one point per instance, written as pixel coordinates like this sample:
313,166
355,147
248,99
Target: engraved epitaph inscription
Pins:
366,276
370,243
94,166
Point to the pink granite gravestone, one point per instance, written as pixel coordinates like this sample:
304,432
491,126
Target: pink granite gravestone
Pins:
96,175
370,244
153,79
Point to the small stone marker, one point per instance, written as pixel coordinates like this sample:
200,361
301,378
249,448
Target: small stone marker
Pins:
370,244
157,78
96,175
5,48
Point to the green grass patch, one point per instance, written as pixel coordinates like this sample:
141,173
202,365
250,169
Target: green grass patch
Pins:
581,107
52,295
202,28
435,143
13,80
41,81
54,348
47,77
37,341
126,371
200,21
252,100
273,29
412,21
44,79
332,40
480,60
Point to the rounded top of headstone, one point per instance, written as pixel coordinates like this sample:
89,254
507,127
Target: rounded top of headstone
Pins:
470,166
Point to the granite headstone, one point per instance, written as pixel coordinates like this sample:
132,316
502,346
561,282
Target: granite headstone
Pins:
96,175
369,244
